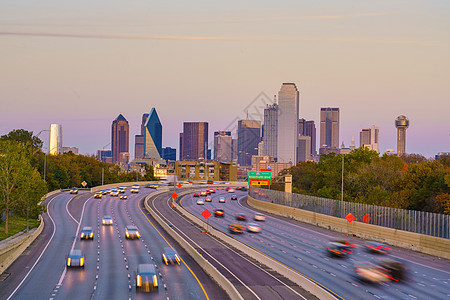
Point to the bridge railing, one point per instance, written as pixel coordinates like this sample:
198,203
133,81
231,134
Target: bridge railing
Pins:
432,224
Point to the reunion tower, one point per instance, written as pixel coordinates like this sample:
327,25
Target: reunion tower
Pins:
401,123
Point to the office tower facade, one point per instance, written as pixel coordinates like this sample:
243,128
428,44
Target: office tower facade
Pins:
139,140
223,146
153,136
104,155
401,123
288,106
120,133
234,152
368,137
180,155
55,139
310,130
169,153
249,136
195,140
271,130
304,148
329,129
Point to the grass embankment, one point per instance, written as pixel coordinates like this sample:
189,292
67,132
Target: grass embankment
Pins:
16,225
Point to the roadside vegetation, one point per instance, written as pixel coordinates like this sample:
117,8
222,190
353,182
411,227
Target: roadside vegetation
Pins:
16,225
410,182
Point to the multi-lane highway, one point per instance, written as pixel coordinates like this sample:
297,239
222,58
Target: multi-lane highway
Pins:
110,259
302,247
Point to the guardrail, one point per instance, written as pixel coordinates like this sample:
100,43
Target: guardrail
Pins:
199,259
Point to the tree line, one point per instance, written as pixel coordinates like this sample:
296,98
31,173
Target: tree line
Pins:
27,174
409,182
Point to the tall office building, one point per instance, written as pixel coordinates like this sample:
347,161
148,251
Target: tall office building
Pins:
234,152
368,137
153,136
120,133
55,139
310,130
139,140
169,153
222,146
195,140
329,130
270,130
304,148
104,155
401,123
288,106
249,136
180,155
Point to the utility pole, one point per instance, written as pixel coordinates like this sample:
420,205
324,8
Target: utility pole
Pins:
342,180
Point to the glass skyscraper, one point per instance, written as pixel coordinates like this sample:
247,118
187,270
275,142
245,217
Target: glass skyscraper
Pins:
329,129
194,141
249,136
153,136
55,141
120,134
270,130
288,106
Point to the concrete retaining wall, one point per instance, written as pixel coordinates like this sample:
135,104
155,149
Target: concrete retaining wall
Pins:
127,184
202,262
405,239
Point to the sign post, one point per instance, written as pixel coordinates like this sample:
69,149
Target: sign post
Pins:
206,214
259,178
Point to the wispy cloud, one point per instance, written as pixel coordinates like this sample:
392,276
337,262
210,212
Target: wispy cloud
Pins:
210,38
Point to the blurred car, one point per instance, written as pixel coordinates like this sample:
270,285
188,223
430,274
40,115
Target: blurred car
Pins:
114,193
259,217
233,197
131,232
200,202
208,199
221,199
241,217
367,272
196,195
170,256
376,247
336,249
122,187
236,228
203,193
134,190
75,259
98,195
123,197
74,191
393,270
212,191
231,191
121,190
219,213
346,243
252,227
87,233
107,220
146,279
243,188
135,186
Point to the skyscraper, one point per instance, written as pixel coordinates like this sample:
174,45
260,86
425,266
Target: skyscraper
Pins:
153,136
288,105
139,139
368,137
55,139
169,153
249,136
329,130
402,123
304,148
270,130
222,146
310,130
195,140
120,132
180,155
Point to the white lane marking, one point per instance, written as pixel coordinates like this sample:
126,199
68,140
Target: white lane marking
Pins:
42,253
68,212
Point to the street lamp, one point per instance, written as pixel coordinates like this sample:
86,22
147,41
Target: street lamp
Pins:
342,180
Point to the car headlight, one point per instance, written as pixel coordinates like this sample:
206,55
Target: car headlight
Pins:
127,234
68,262
137,234
82,235
165,259
155,281
82,261
92,234
177,258
138,280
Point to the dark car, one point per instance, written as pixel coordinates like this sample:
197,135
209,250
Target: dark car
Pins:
236,228
131,232
336,249
75,259
170,256
219,213
233,197
74,191
98,195
146,279
243,188
393,269
241,217
376,247
196,195
87,233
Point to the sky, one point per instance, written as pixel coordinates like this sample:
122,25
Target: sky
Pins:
82,63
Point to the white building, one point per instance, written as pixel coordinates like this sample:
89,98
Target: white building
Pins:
55,139
288,106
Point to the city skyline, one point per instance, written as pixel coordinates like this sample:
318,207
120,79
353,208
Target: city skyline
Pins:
373,60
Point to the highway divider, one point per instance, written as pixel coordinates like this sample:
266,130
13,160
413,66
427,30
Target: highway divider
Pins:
221,280
306,283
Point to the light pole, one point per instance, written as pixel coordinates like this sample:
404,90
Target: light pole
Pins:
342,180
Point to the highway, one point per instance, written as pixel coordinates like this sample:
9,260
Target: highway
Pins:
252,280
110,259
302,248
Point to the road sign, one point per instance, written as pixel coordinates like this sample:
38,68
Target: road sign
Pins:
350,218
265,170
206,214
174,195
84,183
179,185
259,181
269,167
366,218
259,178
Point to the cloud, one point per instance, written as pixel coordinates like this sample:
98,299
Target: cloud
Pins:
209,38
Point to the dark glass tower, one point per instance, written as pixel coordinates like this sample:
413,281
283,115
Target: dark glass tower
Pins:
195,140
153,136
120,132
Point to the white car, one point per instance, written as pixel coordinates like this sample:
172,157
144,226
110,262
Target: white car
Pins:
222,200
114,193
259,217
134,190
231,191
200,202
107,220
124,197
252,227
